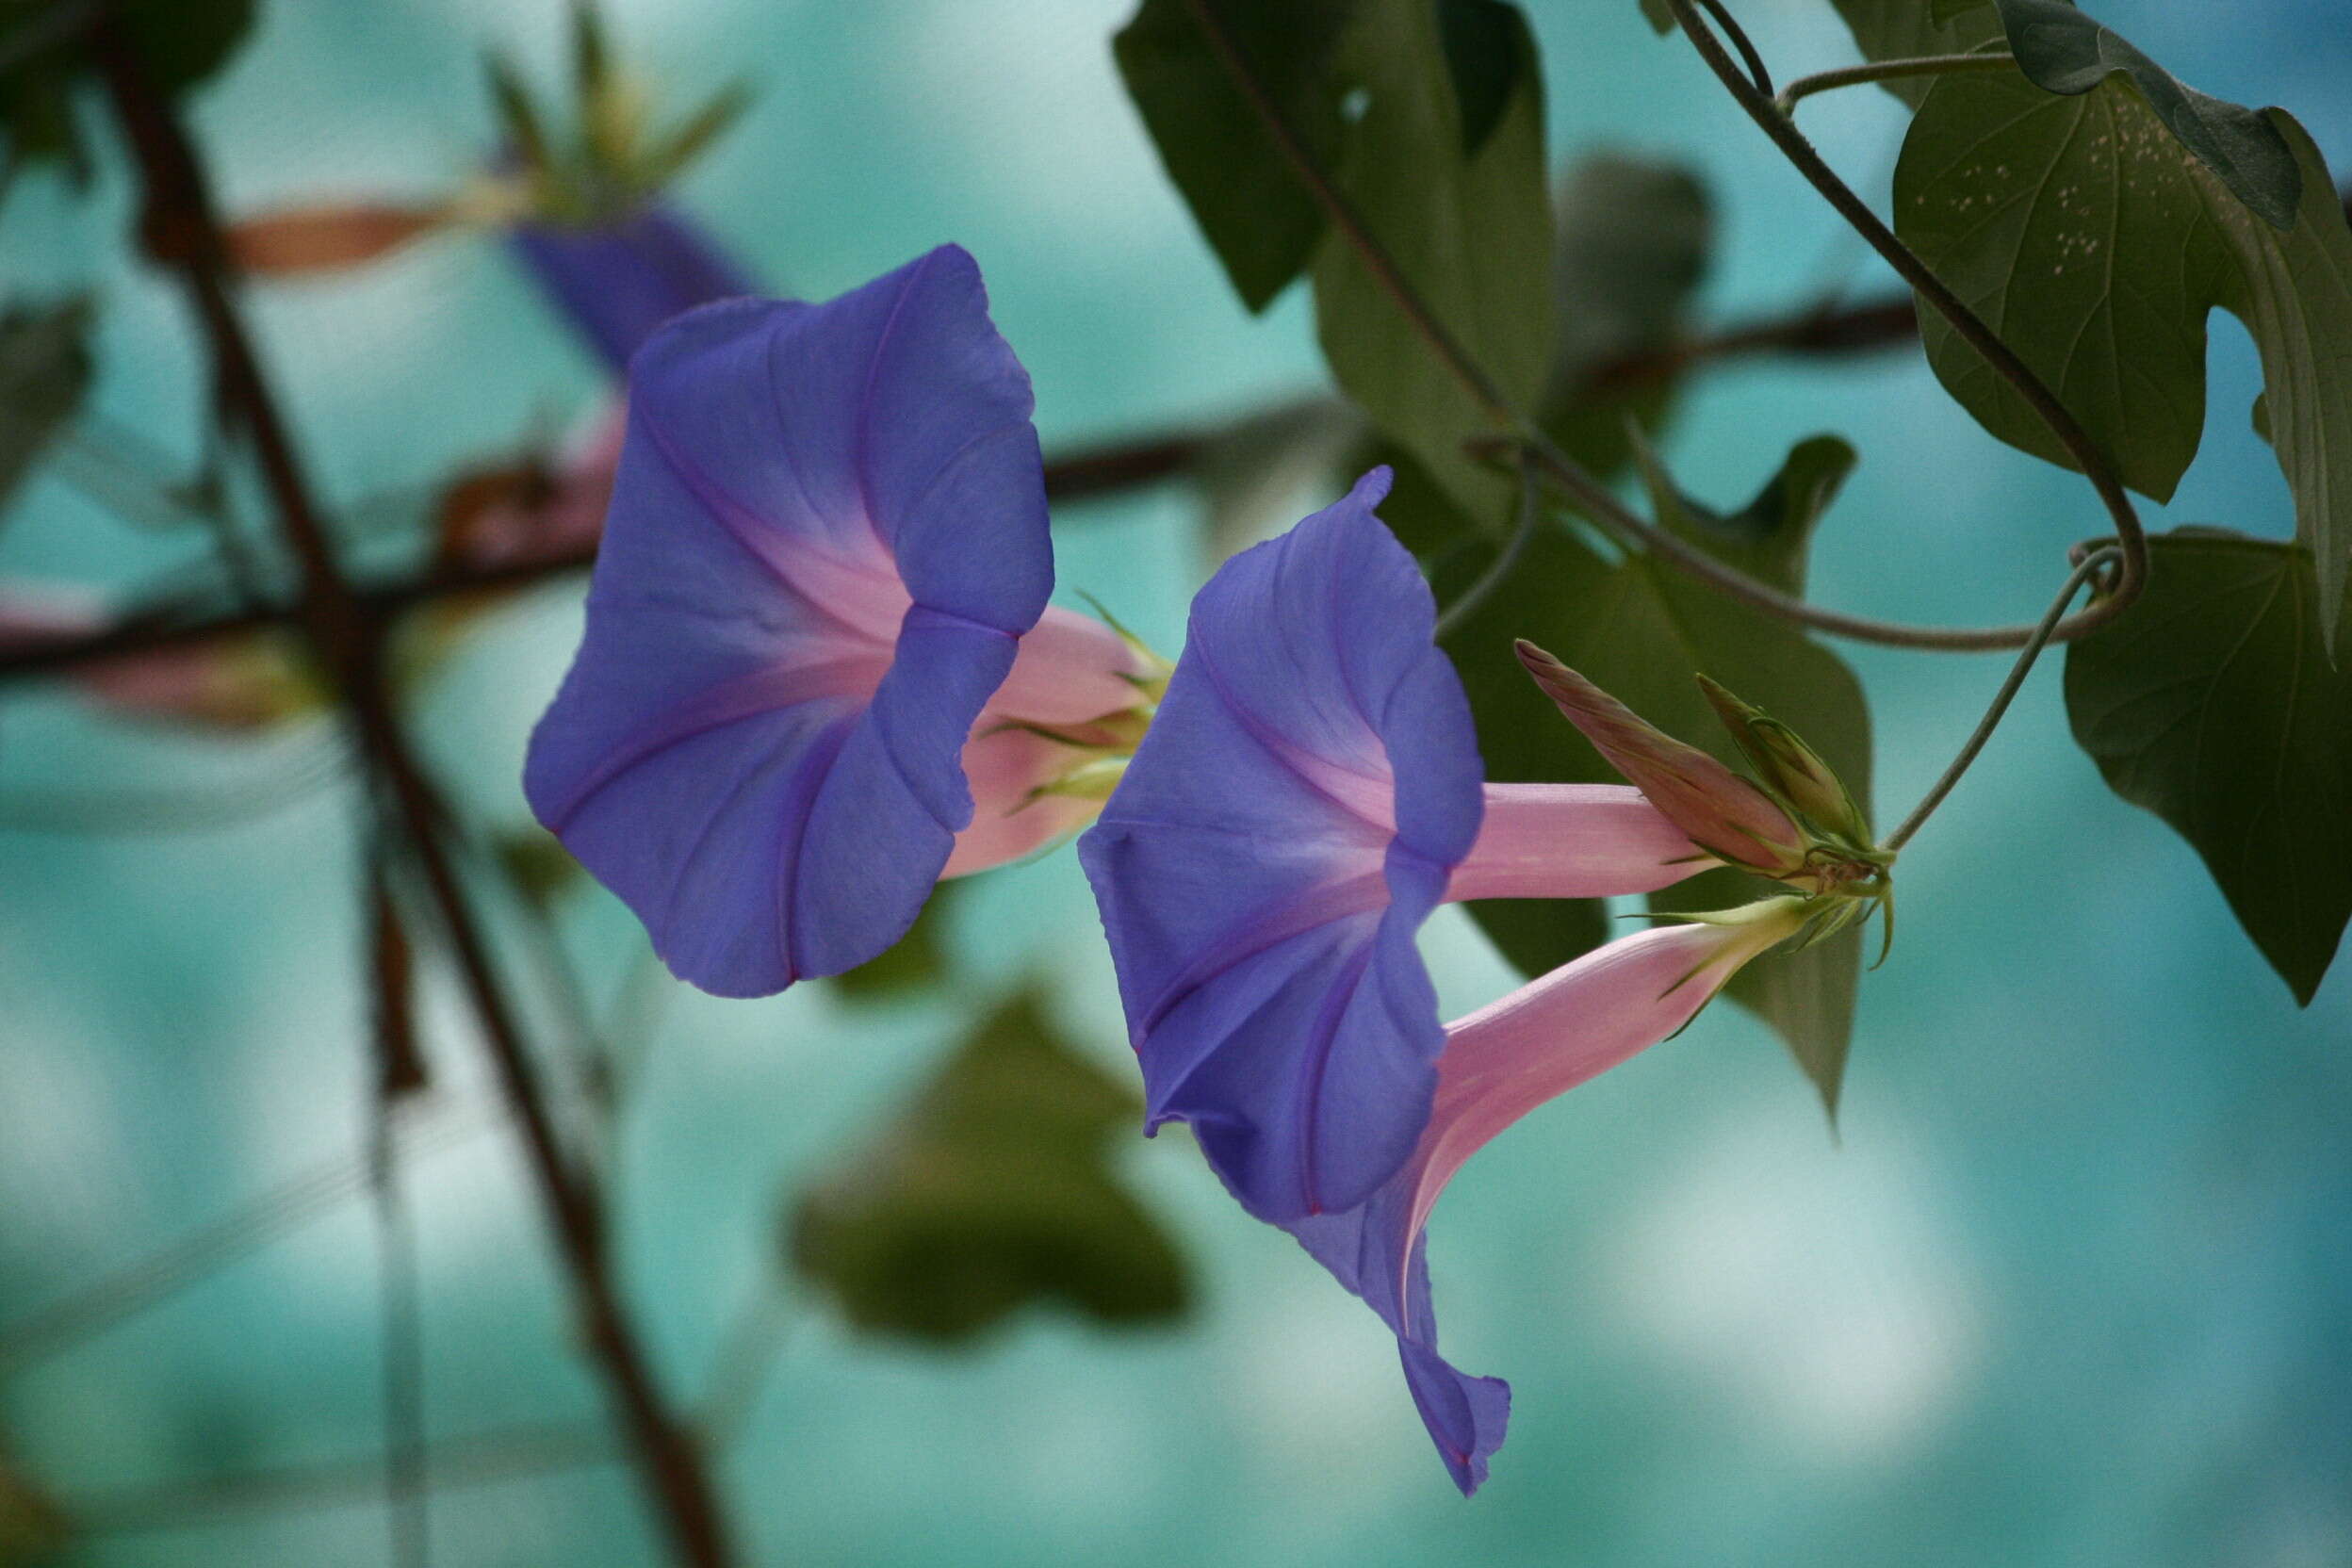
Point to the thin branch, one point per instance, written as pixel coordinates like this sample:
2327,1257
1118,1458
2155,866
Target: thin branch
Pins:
188,809
1105,469
1825,331
1785,101
484,1459
1596,500
1504,562
181,229
2089,568
1758,72
154,1279
401,1075
407,1477
2130,537
1109,468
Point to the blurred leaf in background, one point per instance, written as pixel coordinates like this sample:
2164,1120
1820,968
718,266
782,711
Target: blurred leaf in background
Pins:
182,42
1632,241
44,371
30,1526
989,1192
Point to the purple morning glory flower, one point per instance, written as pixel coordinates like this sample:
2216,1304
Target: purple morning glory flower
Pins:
827,540
1310,790
1500,1063
619,279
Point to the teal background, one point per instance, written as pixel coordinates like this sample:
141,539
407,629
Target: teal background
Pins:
2073,1288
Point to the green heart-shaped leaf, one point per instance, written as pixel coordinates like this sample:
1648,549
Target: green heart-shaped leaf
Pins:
2210,703
991,1191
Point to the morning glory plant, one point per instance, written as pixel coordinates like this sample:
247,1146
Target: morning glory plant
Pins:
818,671
1499,1063
1309,791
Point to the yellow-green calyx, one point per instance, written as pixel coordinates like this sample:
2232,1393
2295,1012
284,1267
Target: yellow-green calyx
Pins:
1099,749
615,158
1796,823
1843,868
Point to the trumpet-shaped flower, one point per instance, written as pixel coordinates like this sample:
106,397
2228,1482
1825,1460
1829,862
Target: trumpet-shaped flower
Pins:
1310,791
1499,1064
815,618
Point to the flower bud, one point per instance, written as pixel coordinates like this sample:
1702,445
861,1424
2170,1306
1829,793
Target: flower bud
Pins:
1722,812
1789,768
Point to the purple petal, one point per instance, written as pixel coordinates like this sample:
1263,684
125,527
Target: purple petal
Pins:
758,746
1500,1063
1290,820
1371,1251
617,282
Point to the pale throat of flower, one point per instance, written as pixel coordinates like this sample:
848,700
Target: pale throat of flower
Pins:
1094,753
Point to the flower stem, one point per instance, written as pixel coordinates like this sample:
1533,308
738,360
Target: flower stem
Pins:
1881,71
2099,558
181,229
1499,570
1757,72
2130,537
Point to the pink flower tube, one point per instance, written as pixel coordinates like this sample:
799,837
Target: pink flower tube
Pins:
1499,1064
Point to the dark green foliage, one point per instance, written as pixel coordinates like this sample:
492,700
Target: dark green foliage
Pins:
181,42
1486,54
2082,235
2211,704
990,1192
2063,51
1907,29
1251,207
44,372
1425,122
1471,236
1643,631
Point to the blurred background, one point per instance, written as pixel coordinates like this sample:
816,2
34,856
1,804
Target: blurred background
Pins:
2071,1286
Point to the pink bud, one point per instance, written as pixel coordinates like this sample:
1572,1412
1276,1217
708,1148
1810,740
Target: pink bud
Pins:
1723,812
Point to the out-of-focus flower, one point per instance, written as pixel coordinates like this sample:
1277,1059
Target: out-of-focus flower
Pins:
818,612
579,197
1309,791
237,681
1499,1064
619,278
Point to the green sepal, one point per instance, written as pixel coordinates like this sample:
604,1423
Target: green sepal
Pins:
1787,767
